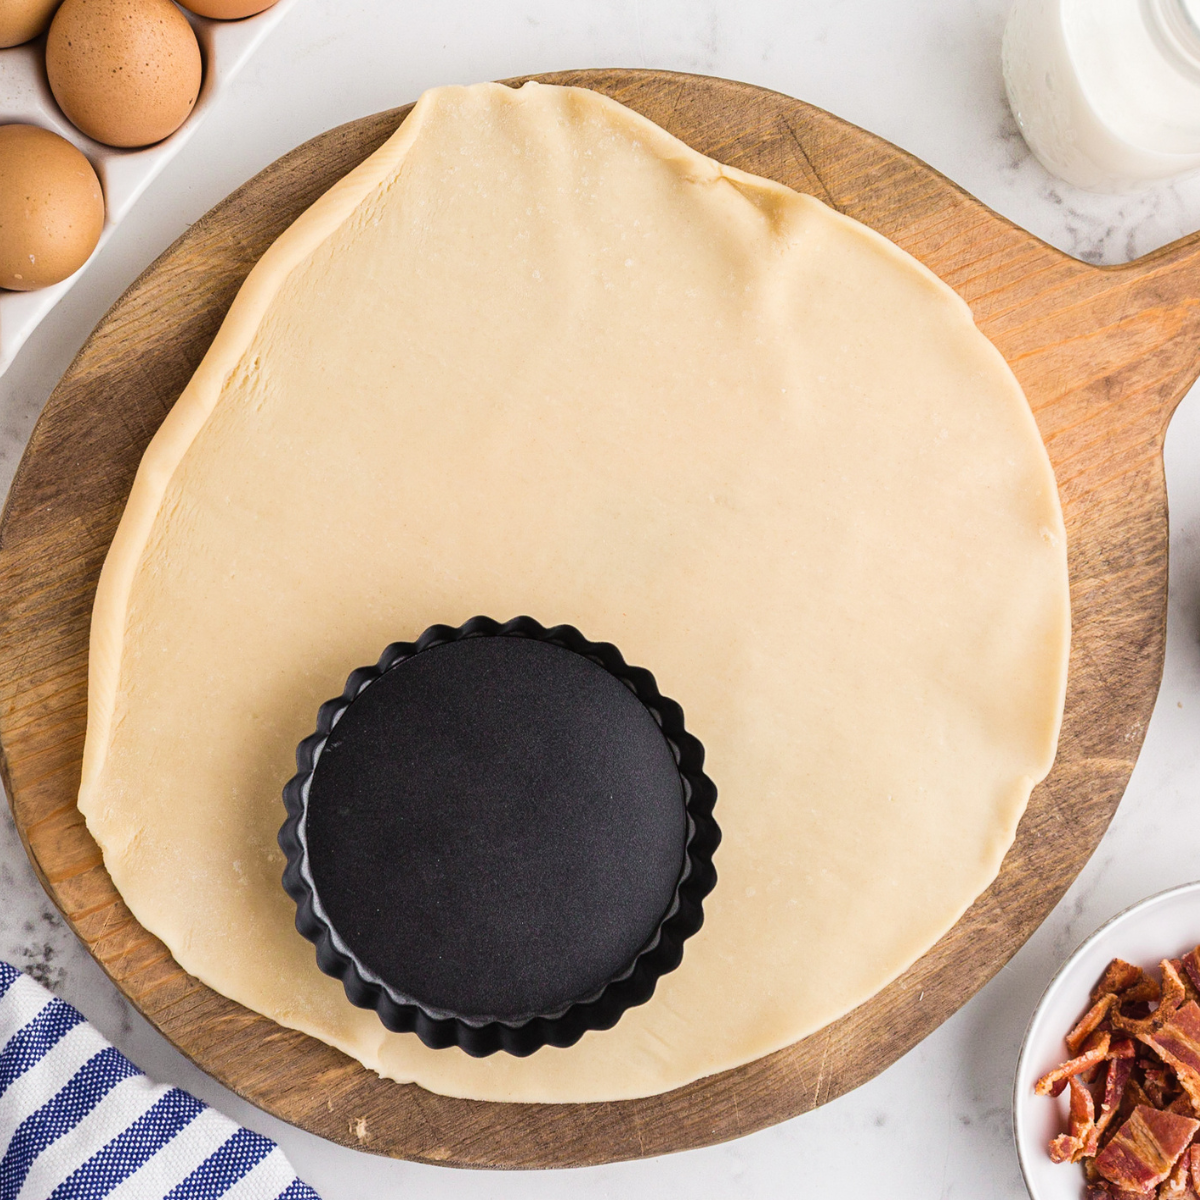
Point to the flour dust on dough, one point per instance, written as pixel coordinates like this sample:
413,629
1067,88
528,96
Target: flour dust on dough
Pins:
537,356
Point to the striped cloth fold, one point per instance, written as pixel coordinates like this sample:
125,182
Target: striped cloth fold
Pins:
78,1121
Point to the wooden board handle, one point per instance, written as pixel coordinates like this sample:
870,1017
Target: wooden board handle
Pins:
1166,286
1148,312
1179,259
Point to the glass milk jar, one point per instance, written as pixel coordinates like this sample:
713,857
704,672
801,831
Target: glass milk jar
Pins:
1107,92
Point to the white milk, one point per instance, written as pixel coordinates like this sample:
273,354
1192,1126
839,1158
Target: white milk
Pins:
1107,92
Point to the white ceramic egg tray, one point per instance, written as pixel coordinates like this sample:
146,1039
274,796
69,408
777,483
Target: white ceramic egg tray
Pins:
25,98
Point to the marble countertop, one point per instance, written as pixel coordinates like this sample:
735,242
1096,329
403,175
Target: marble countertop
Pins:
926,76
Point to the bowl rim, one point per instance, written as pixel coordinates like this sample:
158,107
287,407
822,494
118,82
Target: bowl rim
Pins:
1019,1098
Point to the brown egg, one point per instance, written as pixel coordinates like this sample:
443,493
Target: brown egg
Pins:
51,208
126,72
227,10
21,20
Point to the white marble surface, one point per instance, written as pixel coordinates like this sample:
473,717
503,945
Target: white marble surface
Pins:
926,76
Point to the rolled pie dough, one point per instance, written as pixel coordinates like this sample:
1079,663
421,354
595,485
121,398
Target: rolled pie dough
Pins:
537,356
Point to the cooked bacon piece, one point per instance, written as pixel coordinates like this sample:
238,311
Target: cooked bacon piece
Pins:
1115,1082
1190,990
1080,1140
1109,1191
1119,976
1100,1038
1177,1185
1053,1082
1191,967
1172,998
1159,1083
1134,1095
1178,1044
1146,990
1193,1155
1122,1047
1174,993
1145,1148
1100,1188
1089,1022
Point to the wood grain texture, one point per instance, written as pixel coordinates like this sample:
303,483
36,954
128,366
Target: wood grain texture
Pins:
1104,354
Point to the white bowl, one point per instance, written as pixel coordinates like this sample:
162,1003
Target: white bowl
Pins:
1162,926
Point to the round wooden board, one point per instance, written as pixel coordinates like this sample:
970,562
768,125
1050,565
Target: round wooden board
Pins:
1103,354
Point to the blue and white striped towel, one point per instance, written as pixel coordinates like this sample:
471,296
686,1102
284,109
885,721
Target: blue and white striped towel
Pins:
78,1121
